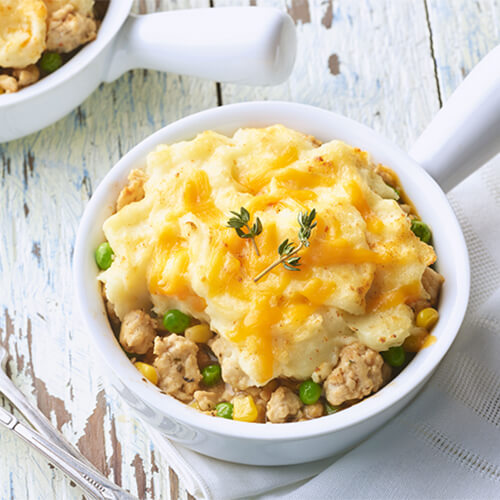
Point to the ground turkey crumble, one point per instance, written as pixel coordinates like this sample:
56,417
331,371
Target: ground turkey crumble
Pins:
358,374
137,332
177,366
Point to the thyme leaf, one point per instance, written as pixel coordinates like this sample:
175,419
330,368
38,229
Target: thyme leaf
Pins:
241,221
287,250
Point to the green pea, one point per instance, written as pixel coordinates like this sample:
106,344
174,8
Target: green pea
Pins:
50,61
422,230
224,410
309,392
176,321
104,256
395,356
330,410
211,374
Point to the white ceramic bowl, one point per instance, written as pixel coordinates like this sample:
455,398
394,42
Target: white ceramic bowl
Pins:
259,42
456,142
275,443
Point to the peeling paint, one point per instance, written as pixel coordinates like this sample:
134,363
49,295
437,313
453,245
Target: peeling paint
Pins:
174,484
299,11
140,476
334,64
327,18
35,251
4,339
9,329
28,166
87,184
80,117
116,457
154,470
91,444
154,467
5,166
19,359
45,401
120,150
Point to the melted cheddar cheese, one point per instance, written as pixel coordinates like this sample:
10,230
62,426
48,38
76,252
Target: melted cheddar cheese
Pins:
23,28
22,32
174,249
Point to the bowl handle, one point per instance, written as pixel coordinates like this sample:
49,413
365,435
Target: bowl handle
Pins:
465,133
247,45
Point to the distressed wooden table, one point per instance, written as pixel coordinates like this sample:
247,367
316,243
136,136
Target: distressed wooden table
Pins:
387,63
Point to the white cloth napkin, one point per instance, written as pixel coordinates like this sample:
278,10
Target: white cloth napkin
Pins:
445,444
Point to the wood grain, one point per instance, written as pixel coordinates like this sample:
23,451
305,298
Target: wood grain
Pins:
362,59
385,63
463,39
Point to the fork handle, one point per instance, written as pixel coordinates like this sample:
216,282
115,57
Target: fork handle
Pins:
50,434
79,472
35,417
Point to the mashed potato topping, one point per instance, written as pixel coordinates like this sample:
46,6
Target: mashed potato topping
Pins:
33,34
23,27
22,32
173,249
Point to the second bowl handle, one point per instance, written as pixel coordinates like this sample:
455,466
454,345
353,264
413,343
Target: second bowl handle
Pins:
246,45
465,133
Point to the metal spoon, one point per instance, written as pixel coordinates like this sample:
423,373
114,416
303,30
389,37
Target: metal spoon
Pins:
51,443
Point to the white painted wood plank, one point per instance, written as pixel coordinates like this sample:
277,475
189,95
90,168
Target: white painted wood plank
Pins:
366,59
45,182
461,41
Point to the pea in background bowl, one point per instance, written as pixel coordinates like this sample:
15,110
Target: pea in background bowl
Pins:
260,42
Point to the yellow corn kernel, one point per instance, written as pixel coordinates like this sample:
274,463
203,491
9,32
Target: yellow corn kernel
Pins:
427,318
148,371
244,409
198,333
195,405
414,342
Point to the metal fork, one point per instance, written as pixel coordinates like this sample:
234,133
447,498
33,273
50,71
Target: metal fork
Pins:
51,443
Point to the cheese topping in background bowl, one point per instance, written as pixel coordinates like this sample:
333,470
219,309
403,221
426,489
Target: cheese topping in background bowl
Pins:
34,34
360,280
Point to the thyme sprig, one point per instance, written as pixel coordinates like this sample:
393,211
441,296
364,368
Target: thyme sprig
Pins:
288,250
306,226
240,221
